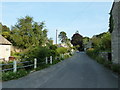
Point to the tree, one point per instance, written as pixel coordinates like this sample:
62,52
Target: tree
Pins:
77,40
0,28
63,37
85,40
49,42
106,41
6,35
62,50
102,41
5,31
27,33
96,42
111,23
5,28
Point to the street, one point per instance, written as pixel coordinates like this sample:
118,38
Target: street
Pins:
78,71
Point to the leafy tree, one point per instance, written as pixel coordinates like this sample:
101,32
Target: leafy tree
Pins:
5,28
96,42
68,43
6,35
63,37
27,33
106,41
37,52
5,31
111,23
62,50
77,40
102,42
85,40
53,50
0,28
53,47
49,42
100,35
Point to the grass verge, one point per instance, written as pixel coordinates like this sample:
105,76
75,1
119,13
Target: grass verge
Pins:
108,64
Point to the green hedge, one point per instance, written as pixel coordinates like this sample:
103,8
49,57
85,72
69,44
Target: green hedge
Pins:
9,75
94,55
38,52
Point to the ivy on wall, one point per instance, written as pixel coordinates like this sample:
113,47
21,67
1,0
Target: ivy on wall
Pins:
111,23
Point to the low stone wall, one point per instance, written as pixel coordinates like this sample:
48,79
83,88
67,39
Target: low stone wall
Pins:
105,55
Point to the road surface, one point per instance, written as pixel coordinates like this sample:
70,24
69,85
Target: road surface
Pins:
79,71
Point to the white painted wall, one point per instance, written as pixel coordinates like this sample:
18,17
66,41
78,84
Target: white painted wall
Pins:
5,51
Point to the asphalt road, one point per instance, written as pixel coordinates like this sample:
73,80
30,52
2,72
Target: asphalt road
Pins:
79,71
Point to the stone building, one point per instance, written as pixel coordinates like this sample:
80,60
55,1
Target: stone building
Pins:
5,48
115,12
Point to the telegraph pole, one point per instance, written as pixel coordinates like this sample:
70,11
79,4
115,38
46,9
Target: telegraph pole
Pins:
56,36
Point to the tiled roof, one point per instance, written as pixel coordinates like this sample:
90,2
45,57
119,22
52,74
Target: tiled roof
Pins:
4,41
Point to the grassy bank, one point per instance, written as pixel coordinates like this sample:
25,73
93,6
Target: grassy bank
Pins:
108,64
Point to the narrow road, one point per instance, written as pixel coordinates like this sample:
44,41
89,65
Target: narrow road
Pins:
79,71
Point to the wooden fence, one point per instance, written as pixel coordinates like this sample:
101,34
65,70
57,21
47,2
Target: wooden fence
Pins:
15,67
15,63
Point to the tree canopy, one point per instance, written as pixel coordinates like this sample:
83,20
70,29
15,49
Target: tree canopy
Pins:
111,23
26,33
63,37
77,40
102,41
85,40
5,31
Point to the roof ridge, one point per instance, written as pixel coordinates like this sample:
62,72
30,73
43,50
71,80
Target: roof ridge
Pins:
4,41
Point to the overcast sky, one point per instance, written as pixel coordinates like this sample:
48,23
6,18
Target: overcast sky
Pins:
89,18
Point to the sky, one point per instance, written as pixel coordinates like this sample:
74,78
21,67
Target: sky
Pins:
89,18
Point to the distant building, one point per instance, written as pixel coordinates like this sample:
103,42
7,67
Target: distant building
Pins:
115,12
66,45
5,48
63,45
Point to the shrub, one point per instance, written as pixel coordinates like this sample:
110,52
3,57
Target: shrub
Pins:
7,66
10,65
70,54
56,61
13,75
53,47
42,66
92,52
116,68
38,52
66,56
61,50
41,53
52,53
16,54
100,60
107,64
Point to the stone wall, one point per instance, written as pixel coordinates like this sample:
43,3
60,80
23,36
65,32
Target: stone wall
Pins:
116,33
105,55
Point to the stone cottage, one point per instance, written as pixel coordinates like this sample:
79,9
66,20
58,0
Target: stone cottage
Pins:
5,48
115,12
